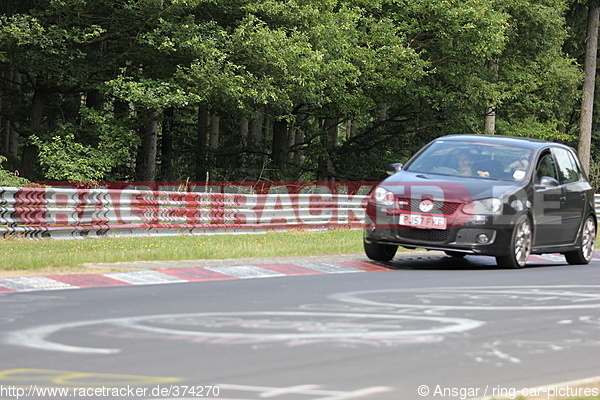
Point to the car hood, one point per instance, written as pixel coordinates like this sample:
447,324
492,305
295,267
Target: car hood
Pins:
454,188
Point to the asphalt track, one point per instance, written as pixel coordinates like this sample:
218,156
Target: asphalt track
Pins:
428,327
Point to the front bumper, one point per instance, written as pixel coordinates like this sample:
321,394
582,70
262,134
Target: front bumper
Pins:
482,235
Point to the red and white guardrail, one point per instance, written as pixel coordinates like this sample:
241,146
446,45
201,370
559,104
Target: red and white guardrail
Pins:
73,212
144,209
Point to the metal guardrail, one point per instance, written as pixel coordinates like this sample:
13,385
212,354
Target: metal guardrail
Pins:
66,213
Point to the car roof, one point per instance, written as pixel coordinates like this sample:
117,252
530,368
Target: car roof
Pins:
499,139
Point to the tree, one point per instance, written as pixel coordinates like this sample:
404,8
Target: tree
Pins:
589,85
271,89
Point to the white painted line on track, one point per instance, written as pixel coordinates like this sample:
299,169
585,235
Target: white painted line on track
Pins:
30,283
144,277
246,272
330,268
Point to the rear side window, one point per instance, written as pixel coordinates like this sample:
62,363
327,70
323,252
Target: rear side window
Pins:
568,170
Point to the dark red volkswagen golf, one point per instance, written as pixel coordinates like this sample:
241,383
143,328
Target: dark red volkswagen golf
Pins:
487,195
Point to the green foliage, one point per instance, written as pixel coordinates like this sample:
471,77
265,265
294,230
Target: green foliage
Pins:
10,179
399,72
65,157
531,128
535,77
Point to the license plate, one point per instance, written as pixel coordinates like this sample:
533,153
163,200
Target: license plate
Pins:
423,221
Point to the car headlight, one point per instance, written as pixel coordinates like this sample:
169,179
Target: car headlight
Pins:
384,196
491,206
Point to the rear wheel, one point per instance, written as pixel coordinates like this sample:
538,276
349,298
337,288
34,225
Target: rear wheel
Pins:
520,246
380,252
585,252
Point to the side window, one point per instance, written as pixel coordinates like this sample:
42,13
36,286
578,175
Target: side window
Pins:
546,167
567,167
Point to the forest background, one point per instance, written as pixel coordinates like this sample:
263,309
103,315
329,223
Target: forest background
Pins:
276,90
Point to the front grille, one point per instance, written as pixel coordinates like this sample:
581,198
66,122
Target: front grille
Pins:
439,207
426,235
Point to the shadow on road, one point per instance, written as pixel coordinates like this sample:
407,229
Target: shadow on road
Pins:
474,263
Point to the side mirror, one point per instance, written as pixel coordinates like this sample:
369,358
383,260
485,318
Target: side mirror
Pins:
395,167
547,182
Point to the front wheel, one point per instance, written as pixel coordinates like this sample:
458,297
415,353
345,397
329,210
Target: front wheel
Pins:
519,247
380,252
584,254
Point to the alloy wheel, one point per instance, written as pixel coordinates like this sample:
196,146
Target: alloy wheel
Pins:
522,244
588,239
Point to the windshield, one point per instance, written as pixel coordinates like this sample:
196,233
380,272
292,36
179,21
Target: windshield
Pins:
471,159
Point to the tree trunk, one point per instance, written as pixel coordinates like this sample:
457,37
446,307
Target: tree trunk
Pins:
291,142
266,136
254,143
215,127
383,112
11,139
202,132
4,122
589,84
30,152
490,113
213,143
94,99
166,146
326,170
71,112
490,121
256,129
146,158
244,129
280,141
299,140
349,132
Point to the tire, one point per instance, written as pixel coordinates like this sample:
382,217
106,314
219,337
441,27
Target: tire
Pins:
585,252
519,247
380,252
456,254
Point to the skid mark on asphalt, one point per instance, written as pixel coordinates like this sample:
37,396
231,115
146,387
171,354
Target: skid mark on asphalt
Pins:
567,314
479,298
293,328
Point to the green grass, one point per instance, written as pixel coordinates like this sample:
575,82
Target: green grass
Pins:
69,255
20,254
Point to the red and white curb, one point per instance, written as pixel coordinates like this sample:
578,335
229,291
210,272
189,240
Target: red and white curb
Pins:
180,275
200,274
